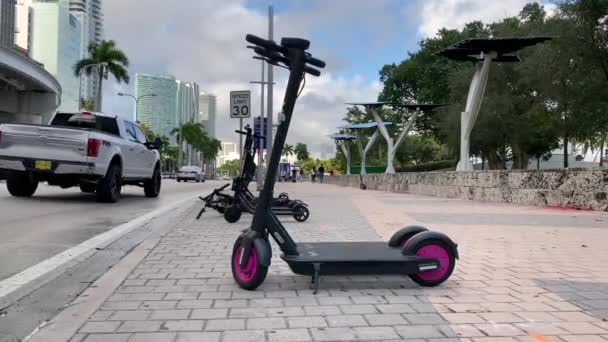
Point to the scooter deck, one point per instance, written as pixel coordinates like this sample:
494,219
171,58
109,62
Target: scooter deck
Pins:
354,258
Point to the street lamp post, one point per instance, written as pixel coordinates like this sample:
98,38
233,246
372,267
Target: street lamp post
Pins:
83,69
136,100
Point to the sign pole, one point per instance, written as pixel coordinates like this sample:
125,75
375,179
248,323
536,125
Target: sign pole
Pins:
269,134
240,143
261,150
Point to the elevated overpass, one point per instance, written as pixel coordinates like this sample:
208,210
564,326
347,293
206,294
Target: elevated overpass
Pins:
28,93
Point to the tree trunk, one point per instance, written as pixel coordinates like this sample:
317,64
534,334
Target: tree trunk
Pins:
565,151
602,143
493,161
483,164
99,83
179,153
538,162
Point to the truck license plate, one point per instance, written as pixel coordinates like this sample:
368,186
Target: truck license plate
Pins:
42,165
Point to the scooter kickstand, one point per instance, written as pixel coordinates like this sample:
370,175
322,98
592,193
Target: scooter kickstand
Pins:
316,278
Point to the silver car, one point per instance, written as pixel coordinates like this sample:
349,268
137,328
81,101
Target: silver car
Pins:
193,173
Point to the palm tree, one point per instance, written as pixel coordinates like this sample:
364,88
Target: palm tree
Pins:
287,150
114,61
191,133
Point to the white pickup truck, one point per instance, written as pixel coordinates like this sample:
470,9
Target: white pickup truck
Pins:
98,152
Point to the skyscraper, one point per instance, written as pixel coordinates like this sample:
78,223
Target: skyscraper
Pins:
56,44
91,16
187,108
23,24
157,112
7,23
207,105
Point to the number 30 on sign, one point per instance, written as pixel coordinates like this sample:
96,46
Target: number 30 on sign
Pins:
240,102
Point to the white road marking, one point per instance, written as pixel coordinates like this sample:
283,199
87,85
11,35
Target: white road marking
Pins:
17,283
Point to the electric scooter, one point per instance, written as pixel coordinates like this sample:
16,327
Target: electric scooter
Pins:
245,201
216,200
427,257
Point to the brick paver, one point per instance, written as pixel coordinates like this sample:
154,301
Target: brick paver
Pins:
522,271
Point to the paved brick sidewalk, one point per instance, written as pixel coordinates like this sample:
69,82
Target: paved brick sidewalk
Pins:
523,272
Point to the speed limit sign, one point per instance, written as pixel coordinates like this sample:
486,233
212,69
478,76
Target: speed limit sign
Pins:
240,103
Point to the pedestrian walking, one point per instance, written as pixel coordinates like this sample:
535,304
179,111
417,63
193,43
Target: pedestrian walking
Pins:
313,174
294,175
301,174
321,173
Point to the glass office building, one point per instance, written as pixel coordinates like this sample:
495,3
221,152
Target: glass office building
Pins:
157,112
55,42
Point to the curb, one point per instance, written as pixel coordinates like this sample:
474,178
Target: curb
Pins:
66,324
18,286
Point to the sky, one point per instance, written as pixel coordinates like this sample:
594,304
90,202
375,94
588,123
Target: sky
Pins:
203,41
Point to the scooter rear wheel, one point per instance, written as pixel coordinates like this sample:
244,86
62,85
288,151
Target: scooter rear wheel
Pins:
253,274
440,251
302,213
232,214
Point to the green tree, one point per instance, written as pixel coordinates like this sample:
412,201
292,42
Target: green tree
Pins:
301,151
147,131
87,104
191,133
287,150
231,167
114,61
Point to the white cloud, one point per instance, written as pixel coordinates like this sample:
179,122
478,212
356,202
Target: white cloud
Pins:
203,41
454,14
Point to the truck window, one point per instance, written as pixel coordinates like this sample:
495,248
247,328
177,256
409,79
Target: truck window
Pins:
130,131
141,137
88,121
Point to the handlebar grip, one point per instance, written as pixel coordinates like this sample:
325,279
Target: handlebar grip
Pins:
312,71
240,132
265,43
315,61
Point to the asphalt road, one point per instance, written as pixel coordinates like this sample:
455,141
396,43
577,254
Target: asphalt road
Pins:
55,219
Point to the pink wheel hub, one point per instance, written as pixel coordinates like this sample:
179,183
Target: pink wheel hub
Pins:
247,273
438,253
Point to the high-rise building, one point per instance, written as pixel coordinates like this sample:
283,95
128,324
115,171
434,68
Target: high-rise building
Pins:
23,24
91,16
206,116
7,23
207,111
56,44
159,111
187,109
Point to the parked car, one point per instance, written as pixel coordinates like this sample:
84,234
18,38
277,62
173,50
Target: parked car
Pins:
193,173
97,152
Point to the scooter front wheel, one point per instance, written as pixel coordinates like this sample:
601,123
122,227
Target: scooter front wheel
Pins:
253,273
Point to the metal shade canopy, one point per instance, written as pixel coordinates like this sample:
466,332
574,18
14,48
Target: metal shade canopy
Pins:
499,45
341,136
364,125
391,143
482,52
342,141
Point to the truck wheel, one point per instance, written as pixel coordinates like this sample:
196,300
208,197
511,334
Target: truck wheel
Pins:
87,188
152,186
21,184
108,188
